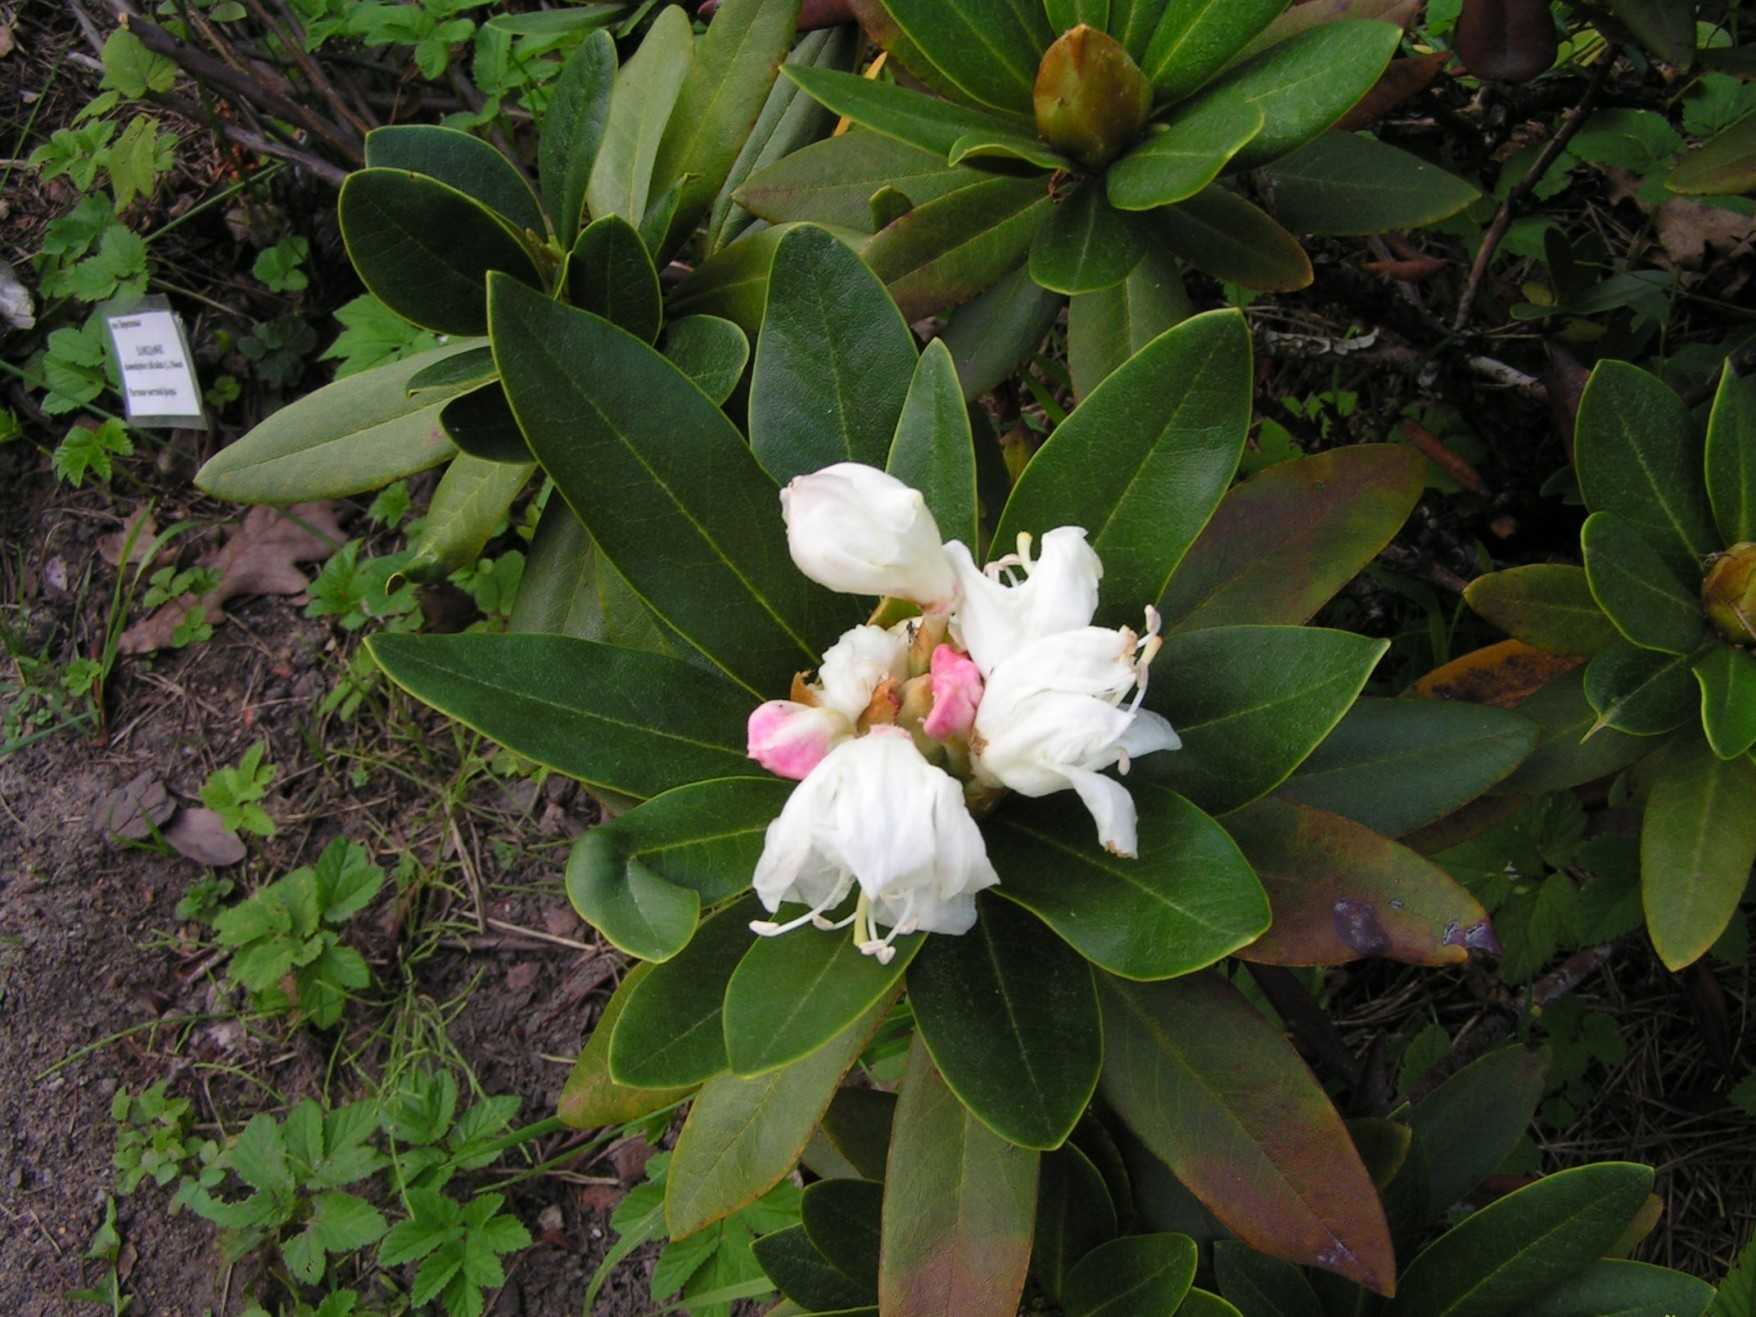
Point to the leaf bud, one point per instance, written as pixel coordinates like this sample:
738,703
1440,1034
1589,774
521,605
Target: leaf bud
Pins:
1091,98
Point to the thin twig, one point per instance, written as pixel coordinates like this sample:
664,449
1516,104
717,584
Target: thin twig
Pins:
295,48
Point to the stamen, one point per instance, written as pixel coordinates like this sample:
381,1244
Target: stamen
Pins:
768,928
881,948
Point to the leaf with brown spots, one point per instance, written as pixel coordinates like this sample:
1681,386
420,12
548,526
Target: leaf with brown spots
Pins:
1501,675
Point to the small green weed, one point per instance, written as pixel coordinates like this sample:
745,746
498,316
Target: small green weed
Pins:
232,792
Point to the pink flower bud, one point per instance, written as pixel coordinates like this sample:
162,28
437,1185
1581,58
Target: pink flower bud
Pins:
957,690
790,739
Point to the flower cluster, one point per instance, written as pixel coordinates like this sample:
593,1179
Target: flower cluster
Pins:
1001,684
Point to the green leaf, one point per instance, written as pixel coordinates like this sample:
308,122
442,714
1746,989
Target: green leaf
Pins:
743,1135
665,484
636,910
1262,1286
1143,462
1066,14
993,335
1548,605
728,81
1638,587
1340,892
1727,677
1466,1128
1731,457
260,1156
1250,704
1664,29
1200,1303
905,116
933,449
1726,165
857,1125
1075,1214
573,131
832,364
137,158
1106,328
484,429
841,1217
1087,244
470,503
591,1098
558,592
1304,84
805,1276
425,249
1283,543
1135,1276
641,104
958,1203
1348,183
1608,1288
464,162
343,1222
1183,155
1216,1092
1005,149
632,722
1397,765
132,69
1009,1014
945,251
790,995
670,1033
356,434
1697,842
1640,691
1194,41
832,181
1564,757
712,352
1140,918
987,49
1638,455
610,274
1134,22
1512,1252
1220,233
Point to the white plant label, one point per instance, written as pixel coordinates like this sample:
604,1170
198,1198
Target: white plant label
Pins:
158,377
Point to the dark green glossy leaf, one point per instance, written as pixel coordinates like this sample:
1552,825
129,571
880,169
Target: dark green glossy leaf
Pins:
988,49
1727,677
1075,1214
1564,757
858,1124
426,249
1087,244
641,103
794,993
632,722
1639,456
665,484
1466,1127
1640,691
1731,457
933,450
1135,1276
558,591
945,251
636,910
1384,1146
1346,183
1183,155
1398,765
1142,918
1200,1303
469,504
1262,1286
832,364
804,1275
728,82
1638,587
466,163
1250,704
1143,462
841,1218
1608,1288
669,1033
1726,164
732,283
1216,1092
1195,40
1544,604
832,181
1341,892
1133,23
925,122
1218,232
1281,544
1667,30
958,1203
348,437
1010,1015
610,274
482,426
460,370
712,352
1697,842
573,130
1016,149
1065,14
992,335
743,1135
1304,84
1106,328
591,1098
1512,1252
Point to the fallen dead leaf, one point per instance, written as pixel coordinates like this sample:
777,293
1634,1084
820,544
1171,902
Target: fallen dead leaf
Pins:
201,836
133,809
1687,228
1401,82
112,546
259,558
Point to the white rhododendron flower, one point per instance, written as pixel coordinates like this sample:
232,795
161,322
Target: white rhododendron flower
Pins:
1057,592
857,530
1052,717
875,814
790,737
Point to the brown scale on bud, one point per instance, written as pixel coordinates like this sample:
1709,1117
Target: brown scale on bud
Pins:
1728,595
1091,99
